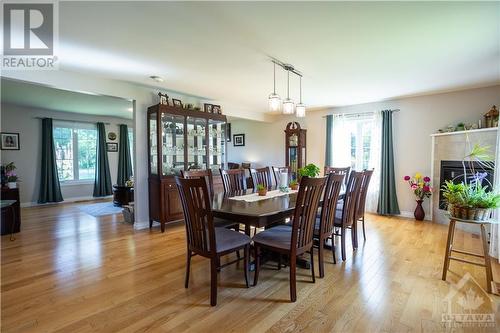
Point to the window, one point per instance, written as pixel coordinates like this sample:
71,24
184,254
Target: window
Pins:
360,131
76,150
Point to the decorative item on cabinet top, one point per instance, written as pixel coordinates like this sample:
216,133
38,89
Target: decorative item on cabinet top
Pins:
491,118
163,98
177,102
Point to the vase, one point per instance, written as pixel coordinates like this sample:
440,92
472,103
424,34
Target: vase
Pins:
419,211
12,185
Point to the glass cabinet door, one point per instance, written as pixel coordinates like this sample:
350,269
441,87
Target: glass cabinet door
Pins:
216,144
153,144
172,144
196,143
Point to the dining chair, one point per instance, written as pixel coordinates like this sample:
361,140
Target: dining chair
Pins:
338,171
298,239
208,176
324,228
261,176
202,237
232,166
360,212
233,180
345,216
277,173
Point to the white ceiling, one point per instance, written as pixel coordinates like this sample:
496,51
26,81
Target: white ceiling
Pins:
42,97
349,53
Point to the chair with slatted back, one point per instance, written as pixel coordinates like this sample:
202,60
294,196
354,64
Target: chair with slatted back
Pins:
233,180
298,239
323,228
261,176
208,176
338,171
360,212
277,173
202,237
345,216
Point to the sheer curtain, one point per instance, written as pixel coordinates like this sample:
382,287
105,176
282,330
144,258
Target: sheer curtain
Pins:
495,228
341,142
374,163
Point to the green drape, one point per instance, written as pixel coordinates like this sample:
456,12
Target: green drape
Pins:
50,189
387,201
329,139
124,161
102,184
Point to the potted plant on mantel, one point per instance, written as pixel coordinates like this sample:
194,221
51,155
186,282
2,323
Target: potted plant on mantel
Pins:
261,190
421,187
470,199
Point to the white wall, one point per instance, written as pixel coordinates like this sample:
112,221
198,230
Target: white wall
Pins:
419,117
23,120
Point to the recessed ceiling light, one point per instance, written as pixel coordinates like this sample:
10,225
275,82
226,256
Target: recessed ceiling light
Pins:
156,78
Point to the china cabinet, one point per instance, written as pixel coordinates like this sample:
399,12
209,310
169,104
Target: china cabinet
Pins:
180,139
295,147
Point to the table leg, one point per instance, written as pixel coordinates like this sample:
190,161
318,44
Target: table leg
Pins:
449,244
487,261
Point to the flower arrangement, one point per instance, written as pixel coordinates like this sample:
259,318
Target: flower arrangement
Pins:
10,174
421,186
471,199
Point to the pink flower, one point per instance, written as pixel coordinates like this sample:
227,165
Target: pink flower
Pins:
427,188
407,178
414,186
427,179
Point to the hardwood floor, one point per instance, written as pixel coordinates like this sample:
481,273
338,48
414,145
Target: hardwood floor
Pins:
71,272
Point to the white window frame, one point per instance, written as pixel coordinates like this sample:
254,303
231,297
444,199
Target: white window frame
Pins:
75,126
359,122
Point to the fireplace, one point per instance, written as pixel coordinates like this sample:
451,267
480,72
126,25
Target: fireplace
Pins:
454,171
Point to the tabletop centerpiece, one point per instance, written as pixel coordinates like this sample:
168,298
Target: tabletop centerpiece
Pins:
421,187
261,190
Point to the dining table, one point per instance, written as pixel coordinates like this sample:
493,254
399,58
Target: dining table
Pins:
250,210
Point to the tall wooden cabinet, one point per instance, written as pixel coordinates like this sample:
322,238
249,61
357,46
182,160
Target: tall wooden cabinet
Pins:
180,139
295,145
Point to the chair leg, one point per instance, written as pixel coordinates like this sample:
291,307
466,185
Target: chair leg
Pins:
353,236
363,224
245,262
333,250
188,268
150,224
257,265
312,265
279,261
293,281
342,243
321,253
213,281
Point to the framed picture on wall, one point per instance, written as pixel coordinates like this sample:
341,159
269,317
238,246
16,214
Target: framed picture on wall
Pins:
239,140
9,141
112,147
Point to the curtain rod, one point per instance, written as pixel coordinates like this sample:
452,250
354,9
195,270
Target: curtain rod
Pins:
357,113
73,121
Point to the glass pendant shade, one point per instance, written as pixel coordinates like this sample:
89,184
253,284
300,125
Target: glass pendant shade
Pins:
300,110
288,106
274,102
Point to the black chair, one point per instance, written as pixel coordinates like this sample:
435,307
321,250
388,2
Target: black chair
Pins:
261,176
233,180
202,237
298,239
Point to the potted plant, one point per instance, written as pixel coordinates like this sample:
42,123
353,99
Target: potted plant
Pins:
470,199
421,187
309,170
10,175
294,185
262,190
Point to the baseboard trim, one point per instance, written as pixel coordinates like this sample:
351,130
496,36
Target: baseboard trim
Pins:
68,200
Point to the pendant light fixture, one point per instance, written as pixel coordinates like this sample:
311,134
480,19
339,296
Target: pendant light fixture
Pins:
274,99
300,109
288,105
